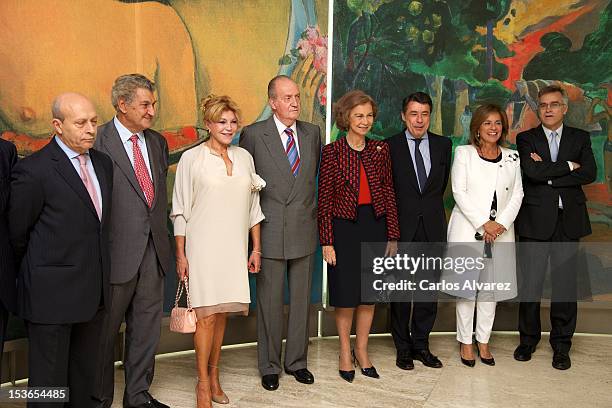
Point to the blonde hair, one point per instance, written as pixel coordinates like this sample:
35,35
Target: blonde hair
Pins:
213,106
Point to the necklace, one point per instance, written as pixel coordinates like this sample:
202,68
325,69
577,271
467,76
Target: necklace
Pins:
358,147
222,154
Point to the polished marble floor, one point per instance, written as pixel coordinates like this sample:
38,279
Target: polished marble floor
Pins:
509,384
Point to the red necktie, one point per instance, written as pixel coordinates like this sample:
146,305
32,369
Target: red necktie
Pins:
140,168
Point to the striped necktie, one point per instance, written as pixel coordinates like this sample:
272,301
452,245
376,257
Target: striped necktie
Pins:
292,153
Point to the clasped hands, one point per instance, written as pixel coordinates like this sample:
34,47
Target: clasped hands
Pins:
492,230
329,253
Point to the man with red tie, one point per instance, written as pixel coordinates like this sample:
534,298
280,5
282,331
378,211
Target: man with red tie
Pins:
58,218
140,248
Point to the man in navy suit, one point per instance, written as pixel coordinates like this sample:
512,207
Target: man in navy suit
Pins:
557,161
421,166
59,206
8,290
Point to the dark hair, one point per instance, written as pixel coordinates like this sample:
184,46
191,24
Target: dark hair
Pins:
480,115
553,89
272,85
347,102
420,97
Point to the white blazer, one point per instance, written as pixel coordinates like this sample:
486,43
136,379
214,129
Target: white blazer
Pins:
474,181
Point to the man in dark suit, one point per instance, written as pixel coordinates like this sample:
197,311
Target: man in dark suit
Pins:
286,153
421,166
58,221
556,160
140,247
8,290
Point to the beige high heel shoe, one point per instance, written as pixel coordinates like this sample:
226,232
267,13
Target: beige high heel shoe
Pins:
215,387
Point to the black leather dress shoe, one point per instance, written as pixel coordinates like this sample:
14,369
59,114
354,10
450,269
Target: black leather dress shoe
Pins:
404,360
270,382
428,359
152,403
561,360
523,352
302,375
367,371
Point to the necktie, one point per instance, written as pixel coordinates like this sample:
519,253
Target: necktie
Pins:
420,164
140,168
292,153
89,185
553,145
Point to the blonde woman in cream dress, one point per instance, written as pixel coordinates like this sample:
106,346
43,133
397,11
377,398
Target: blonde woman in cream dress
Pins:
215,205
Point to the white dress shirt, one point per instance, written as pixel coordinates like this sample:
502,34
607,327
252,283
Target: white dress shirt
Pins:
281,131
548,132
74,160
125,134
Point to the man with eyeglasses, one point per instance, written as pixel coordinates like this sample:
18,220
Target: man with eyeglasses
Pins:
557,161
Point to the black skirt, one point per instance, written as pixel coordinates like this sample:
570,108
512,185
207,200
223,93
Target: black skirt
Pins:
344,279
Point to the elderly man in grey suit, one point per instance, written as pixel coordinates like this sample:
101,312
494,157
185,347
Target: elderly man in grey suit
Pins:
140,248
286,153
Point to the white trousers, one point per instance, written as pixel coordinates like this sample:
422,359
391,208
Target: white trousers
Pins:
485,314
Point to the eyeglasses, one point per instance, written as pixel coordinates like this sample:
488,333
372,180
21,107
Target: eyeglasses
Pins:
552,105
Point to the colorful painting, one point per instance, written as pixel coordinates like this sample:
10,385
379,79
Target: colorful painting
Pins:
465,53
190,48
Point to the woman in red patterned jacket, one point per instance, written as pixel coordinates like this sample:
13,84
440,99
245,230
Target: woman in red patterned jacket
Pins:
356,204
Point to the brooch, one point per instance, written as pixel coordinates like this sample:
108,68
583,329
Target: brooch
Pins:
378,148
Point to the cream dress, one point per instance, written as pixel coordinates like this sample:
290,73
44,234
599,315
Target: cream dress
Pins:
215,212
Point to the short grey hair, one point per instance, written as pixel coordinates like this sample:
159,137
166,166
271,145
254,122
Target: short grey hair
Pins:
272,85
554,88
125,88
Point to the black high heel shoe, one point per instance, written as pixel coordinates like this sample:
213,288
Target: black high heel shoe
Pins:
469,363
367,371
487,361
347,375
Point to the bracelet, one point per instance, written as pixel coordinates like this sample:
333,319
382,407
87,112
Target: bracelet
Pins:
257,252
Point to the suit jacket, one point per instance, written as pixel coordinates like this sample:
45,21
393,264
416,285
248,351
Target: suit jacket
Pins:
339,186
474,184
289,203
411,203
60,245
132,220
8,290
538,215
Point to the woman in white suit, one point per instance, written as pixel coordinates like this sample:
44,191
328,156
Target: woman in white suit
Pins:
487,188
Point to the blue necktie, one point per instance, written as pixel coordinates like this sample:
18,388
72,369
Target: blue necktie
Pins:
292,153
553,145
420,164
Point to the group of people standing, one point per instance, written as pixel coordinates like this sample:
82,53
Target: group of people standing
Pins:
88,245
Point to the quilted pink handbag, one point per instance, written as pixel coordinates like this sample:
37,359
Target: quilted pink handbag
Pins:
182,319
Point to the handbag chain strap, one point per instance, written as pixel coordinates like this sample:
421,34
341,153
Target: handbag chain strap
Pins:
179,293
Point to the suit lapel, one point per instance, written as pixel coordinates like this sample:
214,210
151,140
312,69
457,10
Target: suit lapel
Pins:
306,159
541,143
274,144
69,174
154,154
113,145
103,181
434,160
567,141
412,176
